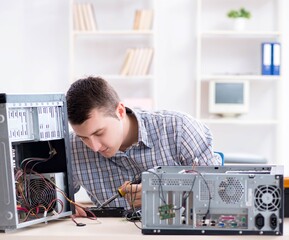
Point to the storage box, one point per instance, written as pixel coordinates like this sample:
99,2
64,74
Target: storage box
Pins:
286,196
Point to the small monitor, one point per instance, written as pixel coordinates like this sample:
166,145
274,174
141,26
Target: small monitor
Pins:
228,98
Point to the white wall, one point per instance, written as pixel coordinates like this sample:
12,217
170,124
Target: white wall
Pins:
34,52
34,46
34,49
176,49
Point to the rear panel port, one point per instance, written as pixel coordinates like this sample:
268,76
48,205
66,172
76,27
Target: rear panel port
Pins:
273,221
259,221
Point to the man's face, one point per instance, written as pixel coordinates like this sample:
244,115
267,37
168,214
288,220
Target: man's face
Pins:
101,133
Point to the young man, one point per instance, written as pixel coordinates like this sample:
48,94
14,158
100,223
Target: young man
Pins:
113,144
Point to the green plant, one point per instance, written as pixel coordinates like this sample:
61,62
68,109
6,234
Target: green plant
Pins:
241,13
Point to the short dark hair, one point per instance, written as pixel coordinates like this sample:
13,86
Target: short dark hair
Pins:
89,93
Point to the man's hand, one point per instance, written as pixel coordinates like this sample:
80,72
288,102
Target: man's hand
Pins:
79,211
132,193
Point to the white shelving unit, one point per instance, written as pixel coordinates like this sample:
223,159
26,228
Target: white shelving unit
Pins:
224,53
101,52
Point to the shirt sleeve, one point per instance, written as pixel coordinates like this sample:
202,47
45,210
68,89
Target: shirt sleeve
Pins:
196,144
76,185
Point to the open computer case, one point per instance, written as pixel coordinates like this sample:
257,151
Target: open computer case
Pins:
35,170
213,200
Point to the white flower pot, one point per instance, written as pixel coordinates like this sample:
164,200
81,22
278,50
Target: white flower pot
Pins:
239,24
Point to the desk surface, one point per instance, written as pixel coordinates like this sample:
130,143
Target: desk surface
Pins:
110,229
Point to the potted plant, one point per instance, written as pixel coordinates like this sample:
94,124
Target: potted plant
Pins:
240,17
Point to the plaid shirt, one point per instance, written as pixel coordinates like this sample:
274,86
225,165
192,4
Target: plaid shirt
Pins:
164,138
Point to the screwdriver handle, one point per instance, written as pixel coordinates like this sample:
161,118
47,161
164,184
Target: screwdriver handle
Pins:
122,193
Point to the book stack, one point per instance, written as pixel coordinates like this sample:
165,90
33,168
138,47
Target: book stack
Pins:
83,17
143,19
137,61
271,58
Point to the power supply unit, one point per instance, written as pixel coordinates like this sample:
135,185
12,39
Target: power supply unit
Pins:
213,200
35,173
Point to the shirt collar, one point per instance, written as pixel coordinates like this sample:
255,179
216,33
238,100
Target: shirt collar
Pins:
142,131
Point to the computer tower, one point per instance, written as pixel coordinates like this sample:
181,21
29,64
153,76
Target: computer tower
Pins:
286,197
211,200
35,173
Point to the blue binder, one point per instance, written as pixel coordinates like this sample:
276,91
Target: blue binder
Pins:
276,58
267,58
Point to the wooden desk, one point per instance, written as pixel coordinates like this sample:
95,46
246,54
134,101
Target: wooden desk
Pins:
110,229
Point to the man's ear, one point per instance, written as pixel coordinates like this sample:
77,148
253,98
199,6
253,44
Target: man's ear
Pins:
120,110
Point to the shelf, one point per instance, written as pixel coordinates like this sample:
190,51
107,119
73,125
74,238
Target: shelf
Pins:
114,32
241,34
208,77
239,121
117,77
113,77
232,55
119,46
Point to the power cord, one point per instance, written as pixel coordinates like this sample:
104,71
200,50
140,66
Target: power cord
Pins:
77,223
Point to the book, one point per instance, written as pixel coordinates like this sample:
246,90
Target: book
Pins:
151,19
132,66
136,20
143,19
76,20
80,17
83,17
138,62
84,10
266,58
147,61
91,17
127,62
147,19
276,58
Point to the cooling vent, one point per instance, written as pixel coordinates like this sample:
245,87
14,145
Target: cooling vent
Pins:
207,190
42,192
231,190
172,182
267,198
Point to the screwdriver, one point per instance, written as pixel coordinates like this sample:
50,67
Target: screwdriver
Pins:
120,193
